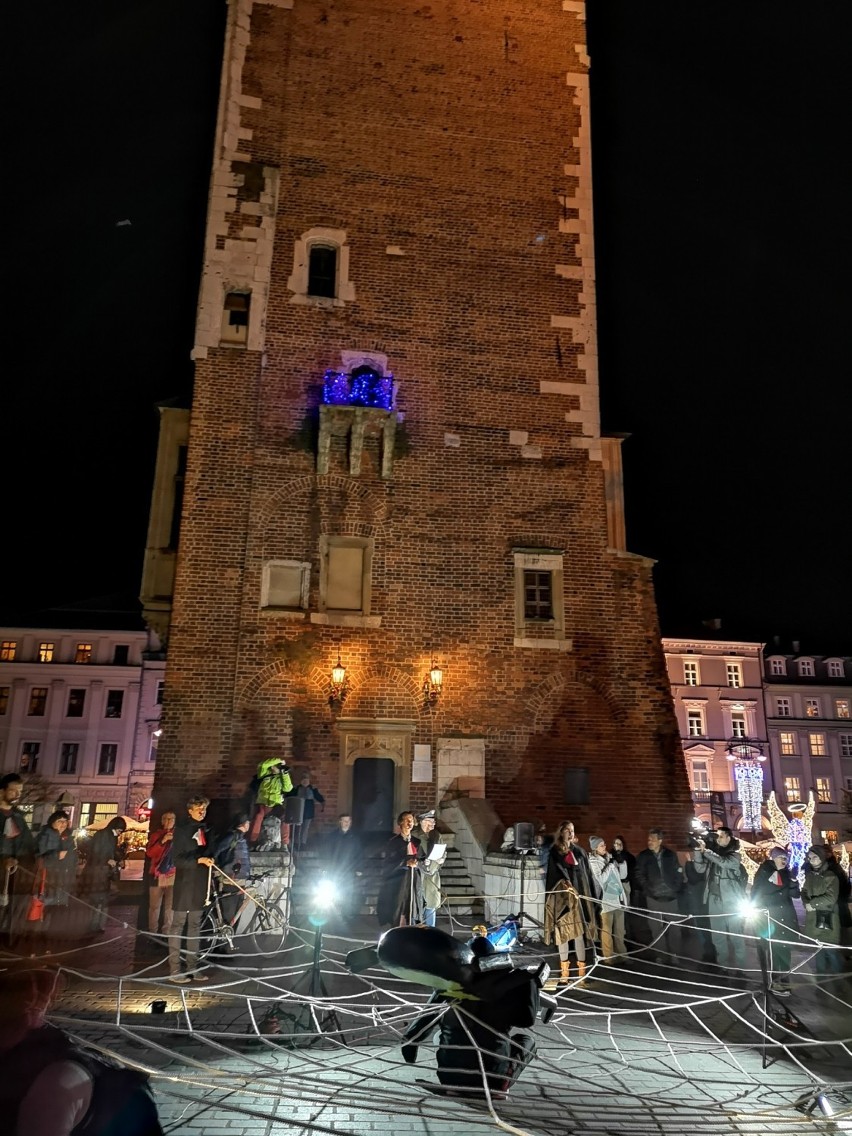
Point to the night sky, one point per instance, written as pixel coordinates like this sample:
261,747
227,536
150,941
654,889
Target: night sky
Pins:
720,143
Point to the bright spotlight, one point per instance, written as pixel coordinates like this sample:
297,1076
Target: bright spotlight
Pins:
325,894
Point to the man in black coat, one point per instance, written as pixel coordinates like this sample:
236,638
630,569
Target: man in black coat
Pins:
776,922
661,879
193,860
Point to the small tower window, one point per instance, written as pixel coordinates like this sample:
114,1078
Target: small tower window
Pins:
322,271
235,319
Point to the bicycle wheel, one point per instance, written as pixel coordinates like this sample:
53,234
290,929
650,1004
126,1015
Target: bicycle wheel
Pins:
207,935
268,929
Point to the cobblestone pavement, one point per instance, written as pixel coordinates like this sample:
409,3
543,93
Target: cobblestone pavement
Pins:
638,1050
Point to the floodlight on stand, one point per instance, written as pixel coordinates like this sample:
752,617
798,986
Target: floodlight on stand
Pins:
323,898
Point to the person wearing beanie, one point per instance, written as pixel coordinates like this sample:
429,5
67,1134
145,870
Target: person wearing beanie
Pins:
606,881
773,892
724,893
820,893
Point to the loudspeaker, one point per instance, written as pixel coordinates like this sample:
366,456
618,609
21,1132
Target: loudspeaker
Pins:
294,810
524,836
576,787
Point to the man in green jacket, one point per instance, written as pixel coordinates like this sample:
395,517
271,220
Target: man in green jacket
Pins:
273,784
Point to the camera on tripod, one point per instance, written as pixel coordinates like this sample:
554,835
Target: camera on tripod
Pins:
698,830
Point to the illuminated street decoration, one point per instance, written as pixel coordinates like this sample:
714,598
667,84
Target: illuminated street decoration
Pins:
363,387
794,832
747,755
749,778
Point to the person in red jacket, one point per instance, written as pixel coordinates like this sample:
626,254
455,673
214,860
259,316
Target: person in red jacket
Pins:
160,884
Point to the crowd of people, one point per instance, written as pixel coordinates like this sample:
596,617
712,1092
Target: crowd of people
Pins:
704,910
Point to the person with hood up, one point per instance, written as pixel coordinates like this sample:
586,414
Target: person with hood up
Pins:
606,880
772,893
101,868
724,894
820,892
274,783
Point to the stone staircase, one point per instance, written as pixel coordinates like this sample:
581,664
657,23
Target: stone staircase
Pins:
456,885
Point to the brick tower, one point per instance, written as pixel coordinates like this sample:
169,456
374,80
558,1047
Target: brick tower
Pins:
394,454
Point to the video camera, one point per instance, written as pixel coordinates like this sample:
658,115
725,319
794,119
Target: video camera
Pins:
698,830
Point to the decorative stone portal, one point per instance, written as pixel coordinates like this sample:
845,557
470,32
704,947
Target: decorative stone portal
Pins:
375,796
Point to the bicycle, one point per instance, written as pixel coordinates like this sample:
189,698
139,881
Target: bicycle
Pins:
267,924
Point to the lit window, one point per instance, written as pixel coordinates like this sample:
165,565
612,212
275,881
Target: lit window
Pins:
738,726
285,585
76,703
700,777
8,650
154,745
5,691
690,673
695,723
845,745
115,701
812,708
782,707
68,757
823,789
806,668
92,812
817,745
835,668
734,672
841,707
83,654
792,788
106,760
38,702
29,757
777,667
787,744
45,652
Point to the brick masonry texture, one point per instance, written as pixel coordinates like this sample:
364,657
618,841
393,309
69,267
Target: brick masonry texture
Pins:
443,131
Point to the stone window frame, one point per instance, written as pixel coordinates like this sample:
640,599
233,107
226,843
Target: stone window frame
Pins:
733,670
333,540
226,337
696,672
543,560
706,775
298,280
304,567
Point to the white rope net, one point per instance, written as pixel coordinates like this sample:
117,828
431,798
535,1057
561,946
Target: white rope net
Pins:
294,1042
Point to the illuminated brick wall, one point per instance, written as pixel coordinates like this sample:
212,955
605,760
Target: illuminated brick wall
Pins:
447,146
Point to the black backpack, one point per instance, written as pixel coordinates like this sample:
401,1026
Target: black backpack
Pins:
122,1101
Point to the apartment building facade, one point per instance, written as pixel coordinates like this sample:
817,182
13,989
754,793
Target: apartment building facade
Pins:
79,716
809,721
717,687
